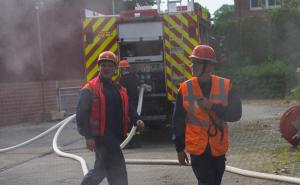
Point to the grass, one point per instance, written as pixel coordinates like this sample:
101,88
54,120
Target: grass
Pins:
283,159
295,94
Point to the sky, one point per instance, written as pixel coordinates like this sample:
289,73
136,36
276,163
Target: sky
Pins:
213,5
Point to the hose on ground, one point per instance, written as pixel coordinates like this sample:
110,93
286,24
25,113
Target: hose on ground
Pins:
63,123
34,138
80,159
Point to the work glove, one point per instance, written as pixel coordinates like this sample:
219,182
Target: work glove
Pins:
183,158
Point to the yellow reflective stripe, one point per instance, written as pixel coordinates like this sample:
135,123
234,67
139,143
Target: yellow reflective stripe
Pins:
174,63
193,16
181,69
177,40
114,47
92,73
171,86
186,61
97,38
170,97
178,27
192,40
169,83
97,24
167,44
181,30
100,49
168,71
182,56
183,20
86,22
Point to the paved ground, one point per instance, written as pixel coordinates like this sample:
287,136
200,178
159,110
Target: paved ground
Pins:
255,145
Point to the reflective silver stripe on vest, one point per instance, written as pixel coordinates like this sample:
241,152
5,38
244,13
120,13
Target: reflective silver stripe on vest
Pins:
222,96
191,99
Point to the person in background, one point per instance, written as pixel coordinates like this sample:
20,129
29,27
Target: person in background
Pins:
129,80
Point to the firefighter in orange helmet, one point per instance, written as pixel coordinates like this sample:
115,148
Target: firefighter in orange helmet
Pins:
129,80
204,104
102,116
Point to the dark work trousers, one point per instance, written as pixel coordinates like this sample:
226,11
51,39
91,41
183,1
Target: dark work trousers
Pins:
208,169
109,163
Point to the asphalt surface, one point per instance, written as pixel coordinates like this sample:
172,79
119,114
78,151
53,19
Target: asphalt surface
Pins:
254,142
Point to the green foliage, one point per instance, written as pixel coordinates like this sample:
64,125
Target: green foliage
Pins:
254,39
286,34
298,150
290,3
261,52
222,19
267,80
295,95
247,38
224,14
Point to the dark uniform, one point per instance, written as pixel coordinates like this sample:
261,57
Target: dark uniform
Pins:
130,82
109,161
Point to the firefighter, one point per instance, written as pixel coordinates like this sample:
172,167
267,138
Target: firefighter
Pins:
203,106
129,80
103,114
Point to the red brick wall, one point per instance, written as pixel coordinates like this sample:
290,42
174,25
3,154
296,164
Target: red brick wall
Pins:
22,102
242,9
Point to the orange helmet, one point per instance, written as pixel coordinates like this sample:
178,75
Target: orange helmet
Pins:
204,52
123,64
107,56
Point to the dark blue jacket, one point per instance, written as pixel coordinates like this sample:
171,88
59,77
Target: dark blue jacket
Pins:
113,128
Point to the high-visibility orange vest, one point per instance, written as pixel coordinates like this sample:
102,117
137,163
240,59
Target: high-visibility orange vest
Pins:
98,112
199,122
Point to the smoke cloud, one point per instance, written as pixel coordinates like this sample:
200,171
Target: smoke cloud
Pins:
60,30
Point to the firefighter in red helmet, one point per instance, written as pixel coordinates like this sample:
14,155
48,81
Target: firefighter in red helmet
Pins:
204,104
129,80
102,116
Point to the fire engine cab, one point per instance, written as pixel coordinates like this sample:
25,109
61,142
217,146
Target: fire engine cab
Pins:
156,43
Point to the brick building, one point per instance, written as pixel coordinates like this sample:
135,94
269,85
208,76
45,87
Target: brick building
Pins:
24,92
244,8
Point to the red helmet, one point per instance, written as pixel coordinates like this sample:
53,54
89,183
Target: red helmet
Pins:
204,52
123,64
107,56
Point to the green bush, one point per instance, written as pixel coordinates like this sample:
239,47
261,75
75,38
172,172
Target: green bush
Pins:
267,80
295,94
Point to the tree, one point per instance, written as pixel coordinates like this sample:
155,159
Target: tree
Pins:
223,24
225,13
290,3
286,34
246,40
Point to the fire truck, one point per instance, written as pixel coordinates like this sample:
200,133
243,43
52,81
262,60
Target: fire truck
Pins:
156,43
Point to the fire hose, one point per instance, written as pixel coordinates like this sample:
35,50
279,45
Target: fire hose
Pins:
63,123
